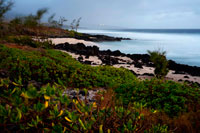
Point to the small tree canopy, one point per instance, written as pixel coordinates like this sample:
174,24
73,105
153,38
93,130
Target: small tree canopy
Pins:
159,60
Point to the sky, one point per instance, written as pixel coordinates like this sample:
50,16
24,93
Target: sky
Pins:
139,14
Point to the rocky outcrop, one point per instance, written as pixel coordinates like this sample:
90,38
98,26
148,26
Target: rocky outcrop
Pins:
109,57
89,37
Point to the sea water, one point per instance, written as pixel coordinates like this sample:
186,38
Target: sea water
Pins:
182,45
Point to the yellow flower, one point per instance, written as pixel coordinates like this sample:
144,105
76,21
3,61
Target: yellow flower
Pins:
61,112
46,97
67,119
46,104
108,130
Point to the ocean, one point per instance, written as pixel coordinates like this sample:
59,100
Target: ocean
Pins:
181,45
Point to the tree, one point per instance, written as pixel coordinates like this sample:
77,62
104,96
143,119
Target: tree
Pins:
160,62
54,23
72,24
34,20
4,8
78,23
40,13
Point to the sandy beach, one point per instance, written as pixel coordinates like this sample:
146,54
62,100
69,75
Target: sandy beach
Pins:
144,72
56,41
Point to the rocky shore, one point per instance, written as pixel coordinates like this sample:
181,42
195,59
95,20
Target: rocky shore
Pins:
139,64
90,37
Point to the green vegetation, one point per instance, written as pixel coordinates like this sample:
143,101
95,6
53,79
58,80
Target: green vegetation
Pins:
46,109
129,105
51,66
27,40
168,96
160,62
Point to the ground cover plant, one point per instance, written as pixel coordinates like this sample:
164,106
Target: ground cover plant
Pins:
137,106
49,66
168,96
47,109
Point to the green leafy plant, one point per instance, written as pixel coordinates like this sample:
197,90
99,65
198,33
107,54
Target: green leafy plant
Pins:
160,62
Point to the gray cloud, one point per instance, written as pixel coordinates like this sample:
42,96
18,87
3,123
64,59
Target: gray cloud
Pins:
122,13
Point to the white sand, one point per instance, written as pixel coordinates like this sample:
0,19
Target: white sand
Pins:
139,71
71,41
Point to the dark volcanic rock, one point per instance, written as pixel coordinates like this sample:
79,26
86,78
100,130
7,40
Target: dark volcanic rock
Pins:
186,77
98,38
82,92
108,60
180,68
148,74
89,37
87,62
79,48
80,58
139,60
138,65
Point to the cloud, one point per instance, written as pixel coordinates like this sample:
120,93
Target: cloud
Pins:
125,13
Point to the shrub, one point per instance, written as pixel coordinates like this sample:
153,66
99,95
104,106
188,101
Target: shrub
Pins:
27,40
47,109
168,96
50,66
160,63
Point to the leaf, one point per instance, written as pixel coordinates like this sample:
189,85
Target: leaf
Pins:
46,97
61,112
80,121
67,119
19,113
25,95
15,84
13,90
101,129
46,104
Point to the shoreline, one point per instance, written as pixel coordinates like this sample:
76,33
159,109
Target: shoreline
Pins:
139,64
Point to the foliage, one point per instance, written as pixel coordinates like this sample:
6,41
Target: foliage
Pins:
47,109
54,23
27,40
160,62
75,24
34,20
48,66
5,6
168,96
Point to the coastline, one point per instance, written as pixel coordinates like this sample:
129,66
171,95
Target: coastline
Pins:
88,52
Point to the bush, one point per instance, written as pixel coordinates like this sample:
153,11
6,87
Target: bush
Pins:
27,40
160,62
50,66
47,109
168,96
